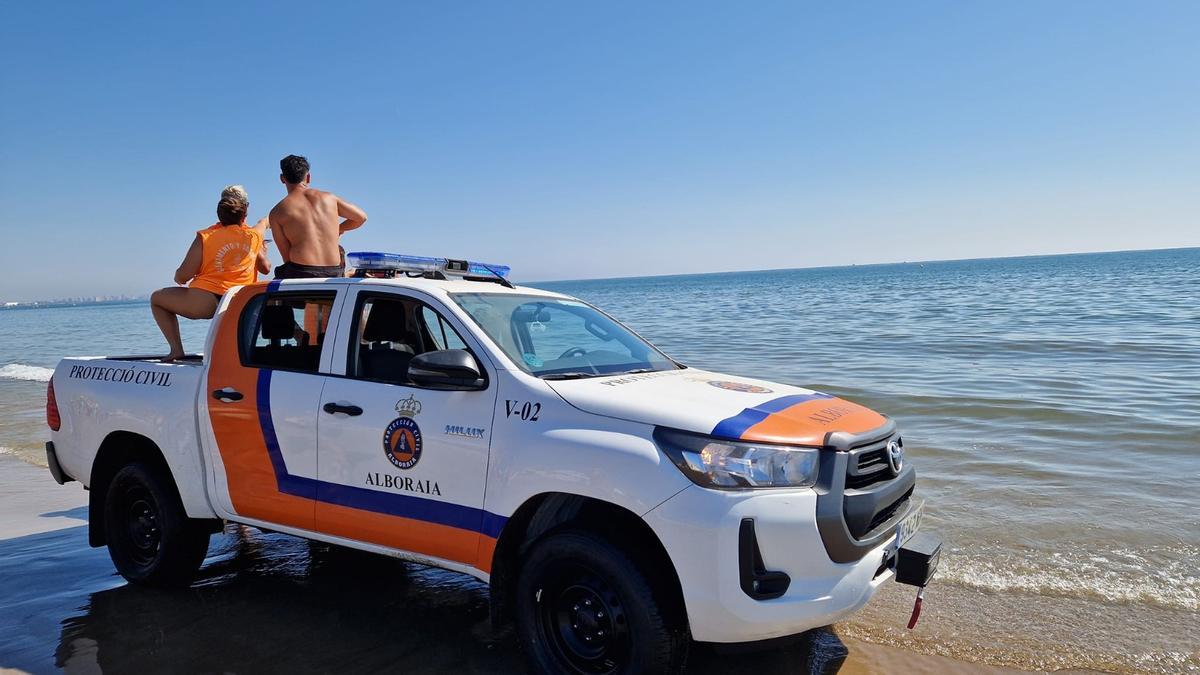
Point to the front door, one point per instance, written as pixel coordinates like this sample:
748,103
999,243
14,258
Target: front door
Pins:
402,466
264,388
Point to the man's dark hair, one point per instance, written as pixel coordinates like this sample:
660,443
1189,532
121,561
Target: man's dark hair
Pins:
294,168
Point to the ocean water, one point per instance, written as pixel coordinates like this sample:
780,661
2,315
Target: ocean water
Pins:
1050,404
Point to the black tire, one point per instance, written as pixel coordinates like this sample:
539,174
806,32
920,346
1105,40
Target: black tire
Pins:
150,538
584,606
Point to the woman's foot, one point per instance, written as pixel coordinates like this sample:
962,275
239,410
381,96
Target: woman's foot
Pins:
172,357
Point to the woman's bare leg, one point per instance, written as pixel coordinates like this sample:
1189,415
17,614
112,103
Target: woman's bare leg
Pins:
168,304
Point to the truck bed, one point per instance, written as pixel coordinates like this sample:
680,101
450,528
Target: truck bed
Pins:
104,401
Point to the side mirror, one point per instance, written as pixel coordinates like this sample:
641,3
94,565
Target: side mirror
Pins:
446,369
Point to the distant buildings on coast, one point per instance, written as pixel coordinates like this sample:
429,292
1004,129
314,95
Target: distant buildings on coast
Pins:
76,302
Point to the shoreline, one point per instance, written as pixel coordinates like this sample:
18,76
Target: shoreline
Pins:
44,543
142,300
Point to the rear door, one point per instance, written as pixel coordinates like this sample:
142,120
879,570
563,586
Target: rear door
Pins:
267,371
400,465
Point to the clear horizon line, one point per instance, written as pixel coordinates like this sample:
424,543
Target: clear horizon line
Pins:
869,264
145,296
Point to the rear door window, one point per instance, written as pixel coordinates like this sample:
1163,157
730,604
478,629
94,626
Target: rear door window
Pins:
286,331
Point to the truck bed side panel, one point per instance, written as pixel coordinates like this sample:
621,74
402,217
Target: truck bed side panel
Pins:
97,397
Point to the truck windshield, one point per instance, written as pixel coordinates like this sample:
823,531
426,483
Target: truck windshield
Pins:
558,338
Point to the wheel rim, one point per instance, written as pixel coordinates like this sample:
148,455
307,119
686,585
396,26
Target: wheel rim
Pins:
143,532
583,620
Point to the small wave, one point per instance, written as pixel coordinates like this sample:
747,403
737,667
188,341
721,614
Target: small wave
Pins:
1160,577
20,371
34,456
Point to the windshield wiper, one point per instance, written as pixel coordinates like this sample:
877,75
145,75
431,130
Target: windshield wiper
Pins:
575,375
568,376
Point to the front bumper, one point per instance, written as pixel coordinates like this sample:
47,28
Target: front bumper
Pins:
701,529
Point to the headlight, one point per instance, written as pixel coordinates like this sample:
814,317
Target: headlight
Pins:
717,463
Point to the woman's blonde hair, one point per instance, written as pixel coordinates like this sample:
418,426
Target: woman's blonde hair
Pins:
233,206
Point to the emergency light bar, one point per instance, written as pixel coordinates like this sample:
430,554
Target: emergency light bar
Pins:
395,262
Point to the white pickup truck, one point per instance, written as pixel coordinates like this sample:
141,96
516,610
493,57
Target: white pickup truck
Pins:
618,503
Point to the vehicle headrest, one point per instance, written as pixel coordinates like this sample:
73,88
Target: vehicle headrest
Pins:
278,323
386,322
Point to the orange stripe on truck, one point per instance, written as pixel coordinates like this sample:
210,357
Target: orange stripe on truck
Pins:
798,419
808,423
236,425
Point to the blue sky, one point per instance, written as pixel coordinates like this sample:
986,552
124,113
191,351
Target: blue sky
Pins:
575,140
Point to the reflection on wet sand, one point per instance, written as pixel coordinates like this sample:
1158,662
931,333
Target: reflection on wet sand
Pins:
273,602
269,602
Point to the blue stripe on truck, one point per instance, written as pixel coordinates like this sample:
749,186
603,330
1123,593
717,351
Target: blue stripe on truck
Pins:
735,426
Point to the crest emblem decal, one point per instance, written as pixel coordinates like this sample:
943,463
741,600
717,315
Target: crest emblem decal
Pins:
402,438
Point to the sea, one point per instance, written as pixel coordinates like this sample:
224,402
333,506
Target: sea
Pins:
1050,404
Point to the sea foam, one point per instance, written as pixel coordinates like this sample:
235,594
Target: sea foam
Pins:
1165,576
20,371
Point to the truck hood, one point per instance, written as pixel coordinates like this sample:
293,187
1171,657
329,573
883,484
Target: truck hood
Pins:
720,405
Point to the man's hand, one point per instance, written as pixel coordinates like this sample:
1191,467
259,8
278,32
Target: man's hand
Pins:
353,217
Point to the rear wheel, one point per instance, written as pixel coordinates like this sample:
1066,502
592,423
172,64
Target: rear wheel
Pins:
150,538
583,606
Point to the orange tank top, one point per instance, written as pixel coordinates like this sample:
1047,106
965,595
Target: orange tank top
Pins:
228,258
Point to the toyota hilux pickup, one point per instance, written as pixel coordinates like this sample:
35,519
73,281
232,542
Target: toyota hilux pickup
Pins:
619,504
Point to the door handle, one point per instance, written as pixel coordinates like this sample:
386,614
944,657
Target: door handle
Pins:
227,395
346,409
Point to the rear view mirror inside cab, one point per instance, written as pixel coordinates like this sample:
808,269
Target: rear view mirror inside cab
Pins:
530,314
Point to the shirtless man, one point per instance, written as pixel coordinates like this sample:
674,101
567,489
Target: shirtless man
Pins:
307,223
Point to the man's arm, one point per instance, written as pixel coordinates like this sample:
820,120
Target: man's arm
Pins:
281,240
353,217
190,266
263,262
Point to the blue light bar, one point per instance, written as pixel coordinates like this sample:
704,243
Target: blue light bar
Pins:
374,260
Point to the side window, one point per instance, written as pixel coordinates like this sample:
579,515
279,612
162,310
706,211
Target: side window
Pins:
285,331
441,332
392,330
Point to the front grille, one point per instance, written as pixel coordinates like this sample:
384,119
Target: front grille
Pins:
874,493
868,465
886,514
856,487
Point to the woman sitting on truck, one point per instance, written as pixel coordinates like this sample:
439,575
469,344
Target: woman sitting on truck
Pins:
225,255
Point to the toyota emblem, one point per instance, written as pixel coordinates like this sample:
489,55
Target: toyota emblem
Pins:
895,455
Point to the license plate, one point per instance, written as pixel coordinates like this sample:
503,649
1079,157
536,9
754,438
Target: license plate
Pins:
906,528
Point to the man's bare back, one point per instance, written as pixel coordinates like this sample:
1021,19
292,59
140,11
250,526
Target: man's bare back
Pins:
307,223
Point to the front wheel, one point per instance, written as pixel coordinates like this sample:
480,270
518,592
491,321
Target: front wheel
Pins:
583,606
150,539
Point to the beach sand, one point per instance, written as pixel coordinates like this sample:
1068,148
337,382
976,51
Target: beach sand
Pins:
274,602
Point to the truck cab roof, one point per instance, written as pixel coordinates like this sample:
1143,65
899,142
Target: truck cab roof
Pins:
432,286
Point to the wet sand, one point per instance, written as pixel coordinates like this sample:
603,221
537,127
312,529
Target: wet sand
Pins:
270,602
